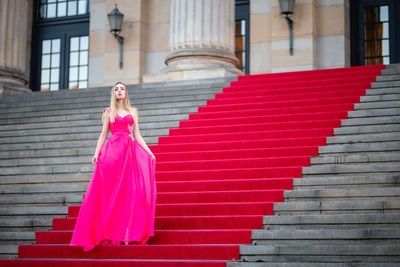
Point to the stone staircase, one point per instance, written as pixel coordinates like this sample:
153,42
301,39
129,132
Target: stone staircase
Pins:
47,140
345,211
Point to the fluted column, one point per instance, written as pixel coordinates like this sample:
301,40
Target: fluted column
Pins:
14,15
202,36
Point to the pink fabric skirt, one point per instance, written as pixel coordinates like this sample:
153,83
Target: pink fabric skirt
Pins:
119,204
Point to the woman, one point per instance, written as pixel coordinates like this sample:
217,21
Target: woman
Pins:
119,204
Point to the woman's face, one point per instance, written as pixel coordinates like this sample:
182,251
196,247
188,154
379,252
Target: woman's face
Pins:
120,91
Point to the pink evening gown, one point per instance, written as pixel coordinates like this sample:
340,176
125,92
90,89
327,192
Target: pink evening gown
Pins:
119,204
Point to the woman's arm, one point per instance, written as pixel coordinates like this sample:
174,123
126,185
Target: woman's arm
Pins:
103,134
136,133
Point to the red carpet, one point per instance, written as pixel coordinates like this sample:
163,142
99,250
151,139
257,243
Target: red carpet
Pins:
222,170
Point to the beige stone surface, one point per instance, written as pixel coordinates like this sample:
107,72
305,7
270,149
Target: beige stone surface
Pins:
304,53
156,37
97,43
131,70
131,32
186,75
260,54
132,9
275,3
303,22
98,16
331,20
260,28
157,11
260,6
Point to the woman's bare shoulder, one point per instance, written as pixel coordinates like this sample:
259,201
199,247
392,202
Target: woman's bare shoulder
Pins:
134,110
107,110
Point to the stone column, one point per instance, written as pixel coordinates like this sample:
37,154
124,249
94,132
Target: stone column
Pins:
202,35
14,30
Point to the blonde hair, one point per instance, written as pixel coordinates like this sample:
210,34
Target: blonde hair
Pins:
113,105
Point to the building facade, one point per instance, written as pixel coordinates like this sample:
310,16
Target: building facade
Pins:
66,44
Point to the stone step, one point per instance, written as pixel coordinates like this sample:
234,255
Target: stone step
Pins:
90,120
45,178
367,206
66,109
133,90
321,263
371,121
8,251
12,237
172,101
377,105
59,142
43,188
374,112
363,138
26,224
386,84
380,98
49,199
87,113
345,148
326,237
332,221
30,142
93,97
326,253
389,77
392,69
345,169
32,211
364,129
84,167
382,156
383,91
87,149
79,127
385,193
334,181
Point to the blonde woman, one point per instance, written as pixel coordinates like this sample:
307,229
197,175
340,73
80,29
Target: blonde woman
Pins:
119,204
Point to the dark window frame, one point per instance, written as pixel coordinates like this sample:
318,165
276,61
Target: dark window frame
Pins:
50,28
242,12
357,33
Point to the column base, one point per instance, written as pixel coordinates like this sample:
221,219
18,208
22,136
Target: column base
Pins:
12,82
180,75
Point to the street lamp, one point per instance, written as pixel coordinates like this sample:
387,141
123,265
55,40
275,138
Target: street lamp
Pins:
115,19
287,7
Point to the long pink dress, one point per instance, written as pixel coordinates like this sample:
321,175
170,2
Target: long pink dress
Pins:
119,204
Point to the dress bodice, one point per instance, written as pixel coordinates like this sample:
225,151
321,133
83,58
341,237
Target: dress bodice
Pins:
122,125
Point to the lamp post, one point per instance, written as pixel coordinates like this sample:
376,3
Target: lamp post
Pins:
287,7
115,19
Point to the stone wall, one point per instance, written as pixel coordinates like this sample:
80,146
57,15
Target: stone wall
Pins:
321,33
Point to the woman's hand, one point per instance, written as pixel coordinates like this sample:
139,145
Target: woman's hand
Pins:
94,159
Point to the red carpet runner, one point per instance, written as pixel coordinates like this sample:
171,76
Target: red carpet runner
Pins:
223,169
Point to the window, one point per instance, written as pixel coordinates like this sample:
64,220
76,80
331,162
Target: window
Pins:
62,8
242,34
376,38
50,69
78,62
60,45
240,43
375,32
